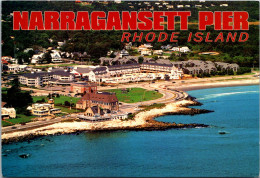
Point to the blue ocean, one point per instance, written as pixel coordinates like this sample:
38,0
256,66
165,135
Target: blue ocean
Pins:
196,152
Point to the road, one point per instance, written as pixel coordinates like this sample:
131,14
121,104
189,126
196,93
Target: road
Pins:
30,125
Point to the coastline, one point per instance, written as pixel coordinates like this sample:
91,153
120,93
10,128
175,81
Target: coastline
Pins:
142,121
209,84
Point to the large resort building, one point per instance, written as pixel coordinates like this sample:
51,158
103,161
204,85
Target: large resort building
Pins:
38,79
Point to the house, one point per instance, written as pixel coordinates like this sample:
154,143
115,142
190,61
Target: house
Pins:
123,53
8,113
148,45
169,6
4,62
44,109
82,87
128,46
60,43
36,58
56,57
223,5
158,52
141,47
146,52
107,101
184,49
198,6
17,68
167,47
27,50
180,6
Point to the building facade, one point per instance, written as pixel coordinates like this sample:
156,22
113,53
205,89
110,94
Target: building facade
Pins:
107,101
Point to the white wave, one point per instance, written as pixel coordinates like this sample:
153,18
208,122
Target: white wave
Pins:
225,94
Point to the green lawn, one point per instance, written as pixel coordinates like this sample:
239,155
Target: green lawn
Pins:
136,95
20,119
67,110
57,100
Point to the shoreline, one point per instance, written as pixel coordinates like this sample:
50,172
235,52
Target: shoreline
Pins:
209,84
143,121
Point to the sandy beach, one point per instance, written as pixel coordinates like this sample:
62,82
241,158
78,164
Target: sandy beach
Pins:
216,84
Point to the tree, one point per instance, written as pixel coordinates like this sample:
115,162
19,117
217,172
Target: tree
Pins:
47,57
140,60
23,57
17,98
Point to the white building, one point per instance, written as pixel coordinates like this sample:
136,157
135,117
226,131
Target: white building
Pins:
36,58
17,68
8,112
158,52
146,52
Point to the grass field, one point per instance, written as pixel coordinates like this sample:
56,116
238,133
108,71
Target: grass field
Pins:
20,119
58,100
67,110
136,95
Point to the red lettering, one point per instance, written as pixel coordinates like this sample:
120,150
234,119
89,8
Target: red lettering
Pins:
146,23
126,35
184,19
113,21
157,21
226,20
82,21
170,20
129,20
173,36
67,20
241,20
20,20
36,21
190,35
160,37
241,35
98,24
219,37
207,37
139,37
198,36
51,19
147,36
205,19
217,20
233,38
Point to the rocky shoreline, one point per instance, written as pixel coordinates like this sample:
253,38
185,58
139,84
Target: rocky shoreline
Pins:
143,121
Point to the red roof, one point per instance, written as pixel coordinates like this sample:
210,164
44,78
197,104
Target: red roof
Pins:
103,97
4,61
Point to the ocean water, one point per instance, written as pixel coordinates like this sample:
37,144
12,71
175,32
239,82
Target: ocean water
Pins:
196,152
